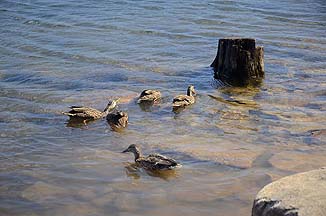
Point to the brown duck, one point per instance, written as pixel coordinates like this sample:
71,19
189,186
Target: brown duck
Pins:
118,120
149,96
153,162
91,113
185,100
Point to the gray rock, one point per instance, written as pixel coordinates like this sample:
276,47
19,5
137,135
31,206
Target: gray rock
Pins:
302,194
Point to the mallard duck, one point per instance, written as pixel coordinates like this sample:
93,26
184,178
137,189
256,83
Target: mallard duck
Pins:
91,113
117,120
149,96
153,161
185,100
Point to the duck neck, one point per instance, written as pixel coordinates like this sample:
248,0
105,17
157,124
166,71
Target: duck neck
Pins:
108,109
189,92
137,154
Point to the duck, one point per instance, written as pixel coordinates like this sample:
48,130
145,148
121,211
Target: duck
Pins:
149,96
152,162
91,113
117,120
185,100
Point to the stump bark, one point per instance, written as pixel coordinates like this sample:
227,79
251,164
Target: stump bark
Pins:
239,62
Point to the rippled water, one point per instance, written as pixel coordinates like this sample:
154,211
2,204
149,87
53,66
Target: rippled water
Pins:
54,54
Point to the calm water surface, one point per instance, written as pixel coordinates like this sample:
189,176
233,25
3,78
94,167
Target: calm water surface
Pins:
54,54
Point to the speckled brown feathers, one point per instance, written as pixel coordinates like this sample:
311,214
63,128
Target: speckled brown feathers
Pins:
118,120
157,162
149,95
84,112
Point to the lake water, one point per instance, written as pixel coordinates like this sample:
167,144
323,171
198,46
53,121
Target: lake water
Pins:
54,54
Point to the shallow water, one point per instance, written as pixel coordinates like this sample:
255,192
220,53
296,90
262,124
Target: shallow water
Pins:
54,54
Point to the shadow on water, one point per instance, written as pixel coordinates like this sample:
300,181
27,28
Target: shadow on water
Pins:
135,172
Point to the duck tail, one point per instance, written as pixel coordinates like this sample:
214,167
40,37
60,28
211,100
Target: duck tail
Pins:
178,165
68,114
178,104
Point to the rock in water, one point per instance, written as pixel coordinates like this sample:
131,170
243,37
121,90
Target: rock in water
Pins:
302,194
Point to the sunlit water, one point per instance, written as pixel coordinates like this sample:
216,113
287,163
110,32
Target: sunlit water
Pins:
54,54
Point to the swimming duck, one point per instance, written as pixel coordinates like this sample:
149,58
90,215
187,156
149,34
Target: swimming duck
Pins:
91,113
185,100
118,120
154,162
149,96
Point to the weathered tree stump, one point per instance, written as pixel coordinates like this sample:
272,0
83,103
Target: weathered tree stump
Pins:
239,62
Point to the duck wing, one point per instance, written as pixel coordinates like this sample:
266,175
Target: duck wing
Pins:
158,162
123,121
146,92
183,100
83,112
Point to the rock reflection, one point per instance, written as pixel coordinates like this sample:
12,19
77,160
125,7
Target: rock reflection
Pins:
135,172
235,102
243,91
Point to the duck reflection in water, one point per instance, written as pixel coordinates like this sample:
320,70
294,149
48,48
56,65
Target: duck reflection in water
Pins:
135,172
79,122
146,106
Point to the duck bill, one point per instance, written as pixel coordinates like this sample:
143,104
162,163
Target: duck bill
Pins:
125,151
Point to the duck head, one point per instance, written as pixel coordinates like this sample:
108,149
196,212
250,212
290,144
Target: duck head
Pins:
111,105
191,91
134,149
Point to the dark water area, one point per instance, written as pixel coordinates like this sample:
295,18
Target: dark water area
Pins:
54,54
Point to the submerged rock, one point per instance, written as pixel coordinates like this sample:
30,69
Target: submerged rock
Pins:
41,191
295,161
302,194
